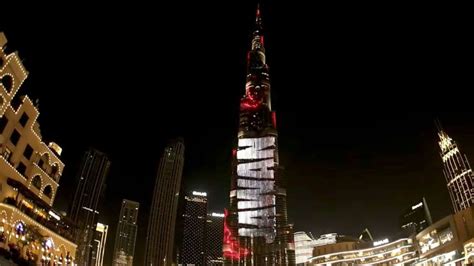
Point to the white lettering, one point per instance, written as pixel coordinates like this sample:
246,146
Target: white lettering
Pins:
380,242
197,193
417,206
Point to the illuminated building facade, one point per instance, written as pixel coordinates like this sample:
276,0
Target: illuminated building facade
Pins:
416,218
383,252
458,172
162,219
30,171
98,244
214,238
257,217
84,211
304,244
445,241
449,241
125,238
192,246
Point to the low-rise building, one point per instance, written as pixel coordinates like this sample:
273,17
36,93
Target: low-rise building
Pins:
398,252
30,171
449,240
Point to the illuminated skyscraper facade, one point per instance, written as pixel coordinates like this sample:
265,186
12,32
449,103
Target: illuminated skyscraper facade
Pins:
214,238
84,208
192,247
458,172
164,206
125,238
257,230
416,218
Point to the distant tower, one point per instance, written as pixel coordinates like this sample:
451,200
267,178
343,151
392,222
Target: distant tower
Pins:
458,172
126,234
192,246
214,238
164,206
416,218
84,209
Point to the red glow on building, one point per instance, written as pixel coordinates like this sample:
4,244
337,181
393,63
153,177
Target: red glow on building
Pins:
261,41
249,105
234,152
231,247
250,102
274,119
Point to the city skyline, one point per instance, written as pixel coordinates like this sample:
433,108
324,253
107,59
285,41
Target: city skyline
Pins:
352,157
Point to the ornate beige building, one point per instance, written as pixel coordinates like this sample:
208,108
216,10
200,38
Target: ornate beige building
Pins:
29,175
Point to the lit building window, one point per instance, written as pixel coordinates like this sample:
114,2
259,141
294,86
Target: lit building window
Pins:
54,170
7,154
36,182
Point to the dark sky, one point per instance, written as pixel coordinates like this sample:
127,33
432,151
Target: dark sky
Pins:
356,90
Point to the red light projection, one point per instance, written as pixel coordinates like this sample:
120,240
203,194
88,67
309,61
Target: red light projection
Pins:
274,119
253,98
247,103
231,247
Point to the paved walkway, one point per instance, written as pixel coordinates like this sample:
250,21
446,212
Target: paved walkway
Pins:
4,262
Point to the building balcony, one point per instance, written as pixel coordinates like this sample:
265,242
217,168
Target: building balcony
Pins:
26,237
37,209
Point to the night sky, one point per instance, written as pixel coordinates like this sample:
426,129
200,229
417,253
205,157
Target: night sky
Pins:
356,90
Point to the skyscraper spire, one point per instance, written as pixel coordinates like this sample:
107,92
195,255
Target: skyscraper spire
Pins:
258,19
438,125
458,172
257,40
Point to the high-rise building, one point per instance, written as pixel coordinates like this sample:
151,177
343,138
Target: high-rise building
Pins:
84,208
126,234
214,238
258,214
458,172
416,218
257,217
192,246
30,171
162,219
98,245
